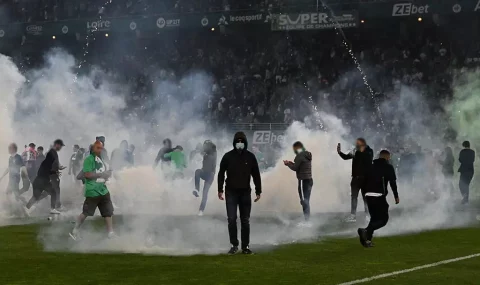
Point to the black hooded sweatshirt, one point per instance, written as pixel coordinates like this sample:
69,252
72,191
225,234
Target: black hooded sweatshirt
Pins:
362,161
382,173
240,166
49,166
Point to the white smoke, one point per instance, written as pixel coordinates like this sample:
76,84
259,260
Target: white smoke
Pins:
158,215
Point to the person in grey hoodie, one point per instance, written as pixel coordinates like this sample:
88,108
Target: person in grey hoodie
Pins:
302,165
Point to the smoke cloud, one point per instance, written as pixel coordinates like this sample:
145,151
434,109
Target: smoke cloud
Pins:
157,215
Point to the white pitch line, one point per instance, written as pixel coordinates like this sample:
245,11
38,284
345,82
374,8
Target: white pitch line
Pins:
385,275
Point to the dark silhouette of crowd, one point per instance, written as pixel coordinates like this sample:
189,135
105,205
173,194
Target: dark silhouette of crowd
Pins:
260,76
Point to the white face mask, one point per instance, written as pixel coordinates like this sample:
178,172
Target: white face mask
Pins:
299,150
239,145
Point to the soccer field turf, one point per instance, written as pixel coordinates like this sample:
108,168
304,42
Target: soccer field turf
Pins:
329,261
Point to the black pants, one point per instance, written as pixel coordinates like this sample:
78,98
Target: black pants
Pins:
208,177
378,207
40,186
32,172
304,192
464,184
357,185
55,180
239,199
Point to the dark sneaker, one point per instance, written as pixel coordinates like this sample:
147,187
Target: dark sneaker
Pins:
233,250
195,193
362,234
247,251
369,243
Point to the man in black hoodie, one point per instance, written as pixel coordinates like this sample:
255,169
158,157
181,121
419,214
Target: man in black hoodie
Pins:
381,174
303,167
240,165
207,173
466,158
167,148
362,162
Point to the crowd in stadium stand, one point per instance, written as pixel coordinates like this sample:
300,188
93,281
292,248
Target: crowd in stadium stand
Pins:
263,76
54,10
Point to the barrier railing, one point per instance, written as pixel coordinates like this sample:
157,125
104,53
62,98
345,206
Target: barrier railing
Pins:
258,127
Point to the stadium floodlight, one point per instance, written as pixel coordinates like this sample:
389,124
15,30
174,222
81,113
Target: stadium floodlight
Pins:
106,35
54,37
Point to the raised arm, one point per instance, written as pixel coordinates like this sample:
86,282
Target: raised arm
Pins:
345,156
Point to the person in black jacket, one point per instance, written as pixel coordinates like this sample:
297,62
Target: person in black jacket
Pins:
207,173
240,164
50,166
466,158
167,148
361,163
381,174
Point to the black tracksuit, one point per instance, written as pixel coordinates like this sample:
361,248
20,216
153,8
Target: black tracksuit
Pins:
382,173
361,164
239,165
466,158
207,173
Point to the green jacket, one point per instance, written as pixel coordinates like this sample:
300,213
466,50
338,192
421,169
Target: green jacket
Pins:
178,159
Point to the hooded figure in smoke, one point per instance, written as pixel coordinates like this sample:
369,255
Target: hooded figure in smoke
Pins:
76,161
240,164
207,173
167,148
121,157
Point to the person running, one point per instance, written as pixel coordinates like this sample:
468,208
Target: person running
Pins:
303,167
179,161
206,173
14,171
29,157
96,174
167,148
42,182
76,160
381,174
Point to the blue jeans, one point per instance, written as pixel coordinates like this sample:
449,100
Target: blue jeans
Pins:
208,177
304,192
